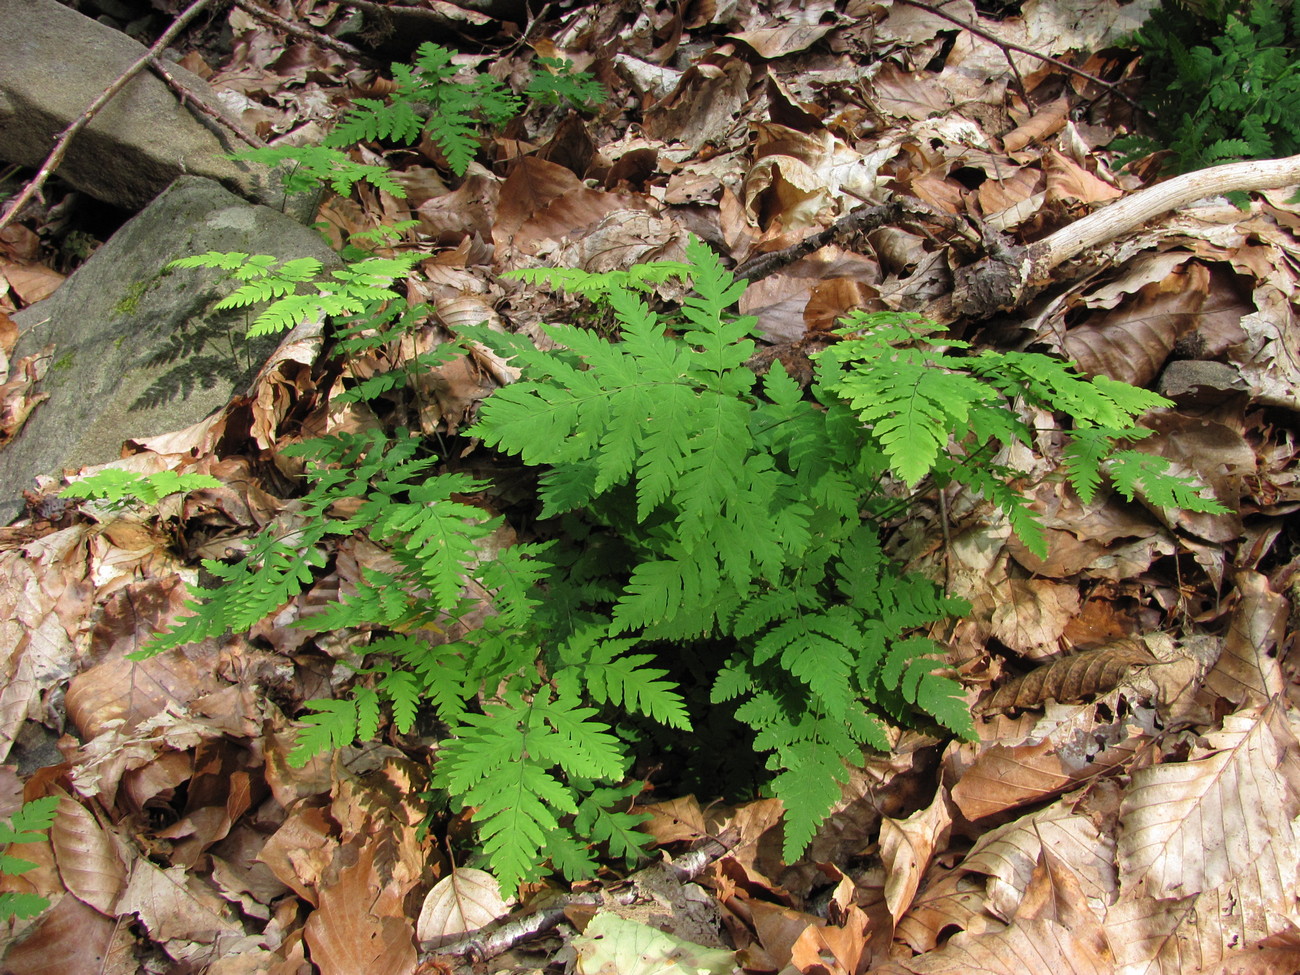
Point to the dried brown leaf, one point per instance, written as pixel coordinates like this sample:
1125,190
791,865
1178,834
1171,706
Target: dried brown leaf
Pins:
70,937
1068,746
1028,947
1010,855
91,861
1247,673
1132,342
180,911
1071,679
360,928
1223,815
777,42
1034,614
907,846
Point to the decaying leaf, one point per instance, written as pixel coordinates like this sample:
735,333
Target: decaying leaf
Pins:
1070,679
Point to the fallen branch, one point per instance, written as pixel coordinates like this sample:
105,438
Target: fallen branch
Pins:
52,161
513,933
1006,278
203,108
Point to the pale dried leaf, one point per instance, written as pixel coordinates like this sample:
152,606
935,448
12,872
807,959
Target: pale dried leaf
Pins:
461,903
175,906
1224,815
1029,947
906,847
1010,855
1247,672
1035,614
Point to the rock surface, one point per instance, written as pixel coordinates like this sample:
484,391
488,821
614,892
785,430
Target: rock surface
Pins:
57,61
138,350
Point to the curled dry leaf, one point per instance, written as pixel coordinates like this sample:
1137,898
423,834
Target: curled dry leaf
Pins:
1071,679
463,902
906,847
1247,672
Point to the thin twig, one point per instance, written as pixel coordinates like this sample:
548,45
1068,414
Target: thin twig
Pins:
420,13
513,933
311,36
52,161
1008,45
187,98
860,220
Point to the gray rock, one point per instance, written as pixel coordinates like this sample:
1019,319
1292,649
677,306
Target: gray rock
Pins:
138,350
56,62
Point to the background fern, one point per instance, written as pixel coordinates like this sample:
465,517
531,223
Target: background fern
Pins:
1222,82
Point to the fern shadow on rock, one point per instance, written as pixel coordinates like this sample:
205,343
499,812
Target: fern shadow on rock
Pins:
203,354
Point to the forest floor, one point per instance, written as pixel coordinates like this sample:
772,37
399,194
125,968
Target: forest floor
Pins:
1130,803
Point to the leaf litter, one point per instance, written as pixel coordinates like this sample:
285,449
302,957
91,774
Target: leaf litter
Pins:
1131,803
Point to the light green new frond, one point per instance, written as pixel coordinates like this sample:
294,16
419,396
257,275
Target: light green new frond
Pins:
1134,472
582,747
602,816
115,485
914,408
402,690
991,483
661,589
29,820
226,261
333,726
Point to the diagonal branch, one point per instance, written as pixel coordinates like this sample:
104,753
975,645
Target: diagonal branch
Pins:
52,161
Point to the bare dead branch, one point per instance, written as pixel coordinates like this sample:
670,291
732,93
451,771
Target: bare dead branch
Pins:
187,98
52,161
1006,278
1118,218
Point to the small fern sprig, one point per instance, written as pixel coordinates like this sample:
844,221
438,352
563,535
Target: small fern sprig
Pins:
314,165
354,289
27,825
433,97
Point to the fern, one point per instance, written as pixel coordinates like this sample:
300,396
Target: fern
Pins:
429,100
311,166
1222,83
355,289
695,519
25,826
119,487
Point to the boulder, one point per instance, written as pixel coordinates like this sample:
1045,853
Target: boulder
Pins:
56,61
137,349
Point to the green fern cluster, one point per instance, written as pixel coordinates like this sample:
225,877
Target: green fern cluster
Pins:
1222,81
695,519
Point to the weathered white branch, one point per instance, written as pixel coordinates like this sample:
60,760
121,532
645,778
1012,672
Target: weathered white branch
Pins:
1119,218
